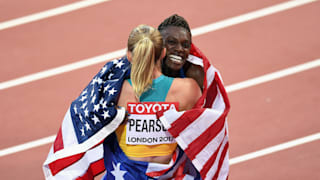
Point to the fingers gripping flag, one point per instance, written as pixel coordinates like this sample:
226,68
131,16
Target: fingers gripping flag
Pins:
77,151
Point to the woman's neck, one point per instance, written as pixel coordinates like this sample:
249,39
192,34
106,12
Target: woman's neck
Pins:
156,73
157,70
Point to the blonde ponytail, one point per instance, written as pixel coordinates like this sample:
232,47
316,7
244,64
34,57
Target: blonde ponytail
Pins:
142,68
145,43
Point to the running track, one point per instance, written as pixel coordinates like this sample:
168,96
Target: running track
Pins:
263,114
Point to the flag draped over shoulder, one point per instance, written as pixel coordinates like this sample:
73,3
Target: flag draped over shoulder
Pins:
78,152
202,131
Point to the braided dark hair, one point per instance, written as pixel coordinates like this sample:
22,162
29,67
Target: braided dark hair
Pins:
174,20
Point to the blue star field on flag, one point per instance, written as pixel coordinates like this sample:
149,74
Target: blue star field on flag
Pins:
96,105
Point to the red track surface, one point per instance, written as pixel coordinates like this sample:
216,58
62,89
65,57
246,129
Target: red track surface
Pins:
261,116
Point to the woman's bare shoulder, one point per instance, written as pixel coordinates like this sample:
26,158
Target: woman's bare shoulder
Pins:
127,94
186,91
192,87
189,84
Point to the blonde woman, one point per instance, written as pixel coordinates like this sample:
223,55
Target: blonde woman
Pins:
143,142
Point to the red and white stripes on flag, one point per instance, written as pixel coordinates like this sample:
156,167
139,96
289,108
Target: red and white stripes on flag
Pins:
68,159
202,131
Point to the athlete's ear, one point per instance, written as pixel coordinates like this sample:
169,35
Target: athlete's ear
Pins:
129,56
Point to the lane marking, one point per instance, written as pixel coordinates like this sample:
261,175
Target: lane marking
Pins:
49,13
28,145
115,54
273,76
230,88
250,16
276,148
62,69
232,161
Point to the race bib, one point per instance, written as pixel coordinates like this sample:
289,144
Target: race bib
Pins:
143,127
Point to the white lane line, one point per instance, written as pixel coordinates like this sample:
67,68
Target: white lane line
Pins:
61,69
250,16
273,76
230,88
28,145
232,161
276,148
49,13
108,56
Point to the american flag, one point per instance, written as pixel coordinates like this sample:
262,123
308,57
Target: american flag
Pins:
202,131
78,152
